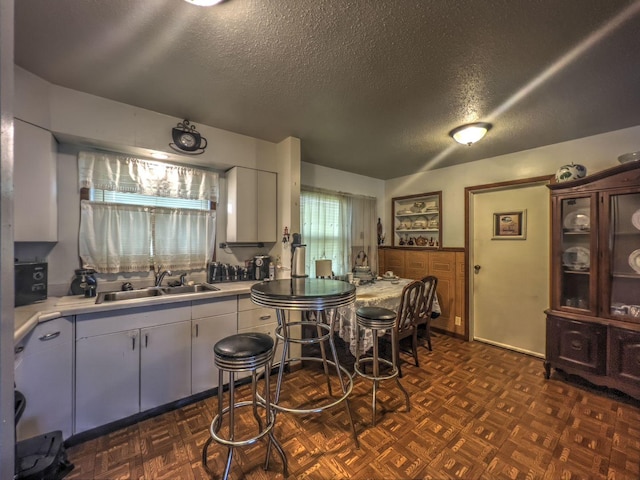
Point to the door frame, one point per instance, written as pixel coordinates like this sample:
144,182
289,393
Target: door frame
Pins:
469,193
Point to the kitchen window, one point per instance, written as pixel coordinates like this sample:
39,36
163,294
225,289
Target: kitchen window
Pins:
339,227
140,214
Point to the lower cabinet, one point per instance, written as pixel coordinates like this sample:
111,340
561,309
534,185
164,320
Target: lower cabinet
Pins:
602,353
212,320
130,361
447,265
252,318
44,375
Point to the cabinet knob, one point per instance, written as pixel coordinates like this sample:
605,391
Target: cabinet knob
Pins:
477,268
576,345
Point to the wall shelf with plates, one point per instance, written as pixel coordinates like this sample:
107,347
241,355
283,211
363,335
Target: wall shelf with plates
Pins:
593,325
417,220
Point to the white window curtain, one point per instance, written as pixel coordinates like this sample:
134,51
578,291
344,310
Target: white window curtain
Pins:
110,171
115,238
184,239
337,226
119,237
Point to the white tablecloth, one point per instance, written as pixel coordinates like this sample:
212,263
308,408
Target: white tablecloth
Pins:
383,294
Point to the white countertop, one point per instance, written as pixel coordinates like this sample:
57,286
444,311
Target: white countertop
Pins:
28,316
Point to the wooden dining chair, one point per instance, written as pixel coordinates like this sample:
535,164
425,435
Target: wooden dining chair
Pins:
430,283
406,320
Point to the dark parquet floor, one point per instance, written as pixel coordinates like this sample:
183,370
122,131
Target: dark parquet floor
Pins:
477,412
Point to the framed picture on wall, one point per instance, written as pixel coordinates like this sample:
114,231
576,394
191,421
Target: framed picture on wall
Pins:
510,225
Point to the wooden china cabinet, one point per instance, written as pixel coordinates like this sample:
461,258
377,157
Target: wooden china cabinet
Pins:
593,325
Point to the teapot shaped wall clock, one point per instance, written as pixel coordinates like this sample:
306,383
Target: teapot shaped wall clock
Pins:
186,139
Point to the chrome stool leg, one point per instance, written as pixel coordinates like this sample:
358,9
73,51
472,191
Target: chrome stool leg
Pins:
377,319
241,353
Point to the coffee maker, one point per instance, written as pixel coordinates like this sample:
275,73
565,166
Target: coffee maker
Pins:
261,266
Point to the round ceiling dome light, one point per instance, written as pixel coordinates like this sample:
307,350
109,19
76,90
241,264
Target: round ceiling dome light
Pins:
470,133
204,3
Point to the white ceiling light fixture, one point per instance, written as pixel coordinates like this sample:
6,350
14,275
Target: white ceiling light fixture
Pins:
470,133
204,3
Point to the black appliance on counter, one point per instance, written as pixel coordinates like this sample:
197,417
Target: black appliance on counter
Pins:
224,272
30,282
261,264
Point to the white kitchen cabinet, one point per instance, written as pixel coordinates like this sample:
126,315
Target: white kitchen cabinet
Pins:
165,364
44,374
35,184
107,378
212,320
251,205
128,361
252,318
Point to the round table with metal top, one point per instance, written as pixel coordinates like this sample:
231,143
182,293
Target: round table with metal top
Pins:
309,294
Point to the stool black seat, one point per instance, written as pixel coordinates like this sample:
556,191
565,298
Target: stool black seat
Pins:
240,353
378,319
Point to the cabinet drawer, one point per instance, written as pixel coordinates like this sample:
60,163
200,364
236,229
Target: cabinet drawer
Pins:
101,323
248,319
210,308
624,355
580,345
269,329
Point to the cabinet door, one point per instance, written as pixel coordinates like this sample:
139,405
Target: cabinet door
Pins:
205,333
394,260
574,254
107,378
416,265
621,271
579,345
165,364
267,207
44,374
624,356
35,183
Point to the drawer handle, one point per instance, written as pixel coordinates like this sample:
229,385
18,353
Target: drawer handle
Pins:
576,345
20,349
49,336
265,317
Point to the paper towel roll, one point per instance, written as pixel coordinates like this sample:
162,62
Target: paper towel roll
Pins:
323,268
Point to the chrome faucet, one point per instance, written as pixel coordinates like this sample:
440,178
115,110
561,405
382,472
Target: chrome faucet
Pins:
160,276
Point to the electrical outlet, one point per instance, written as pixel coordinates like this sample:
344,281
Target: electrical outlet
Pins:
458,321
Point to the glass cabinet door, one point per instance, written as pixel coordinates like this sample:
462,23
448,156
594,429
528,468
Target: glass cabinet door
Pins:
622,267
577,248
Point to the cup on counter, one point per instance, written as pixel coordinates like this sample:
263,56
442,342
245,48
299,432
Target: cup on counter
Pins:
388,273
350,277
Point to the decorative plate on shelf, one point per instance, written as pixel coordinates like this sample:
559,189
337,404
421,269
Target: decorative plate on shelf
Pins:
576,258
578,220
404,212
635,219
634,260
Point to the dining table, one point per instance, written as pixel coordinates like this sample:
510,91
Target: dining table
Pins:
379,293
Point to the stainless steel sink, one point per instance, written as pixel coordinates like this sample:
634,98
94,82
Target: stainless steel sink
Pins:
154,292
198,287
129,294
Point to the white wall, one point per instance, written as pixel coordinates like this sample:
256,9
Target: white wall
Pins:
596,153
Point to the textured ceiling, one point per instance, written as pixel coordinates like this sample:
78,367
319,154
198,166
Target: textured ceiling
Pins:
369,86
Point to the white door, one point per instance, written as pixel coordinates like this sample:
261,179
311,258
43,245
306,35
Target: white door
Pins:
510,277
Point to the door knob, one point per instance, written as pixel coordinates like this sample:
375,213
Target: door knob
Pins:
476,268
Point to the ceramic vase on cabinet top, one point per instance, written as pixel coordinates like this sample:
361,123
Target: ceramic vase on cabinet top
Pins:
570,172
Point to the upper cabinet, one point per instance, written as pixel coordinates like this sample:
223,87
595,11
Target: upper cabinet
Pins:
251,205
35,184
417,220
593,325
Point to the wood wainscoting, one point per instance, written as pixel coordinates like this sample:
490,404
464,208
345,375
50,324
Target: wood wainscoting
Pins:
445,264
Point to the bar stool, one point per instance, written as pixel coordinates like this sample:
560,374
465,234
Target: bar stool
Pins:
244,352
378,319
